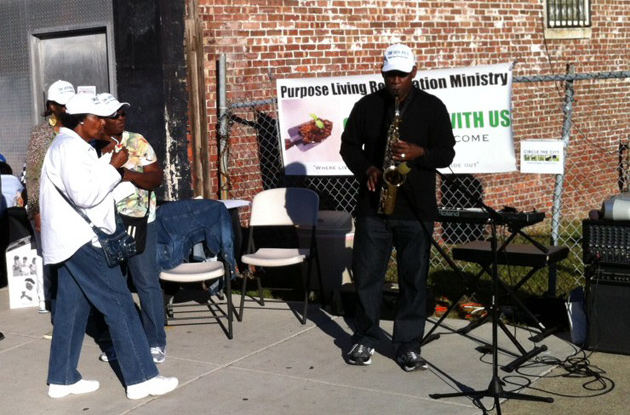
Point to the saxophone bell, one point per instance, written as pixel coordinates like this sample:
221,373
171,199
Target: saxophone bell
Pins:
396,175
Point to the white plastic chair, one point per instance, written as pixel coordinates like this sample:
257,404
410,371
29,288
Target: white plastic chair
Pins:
200,277
295,207
201,273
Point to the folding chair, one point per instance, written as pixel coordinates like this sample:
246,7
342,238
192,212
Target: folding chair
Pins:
201,275
189,232
284,207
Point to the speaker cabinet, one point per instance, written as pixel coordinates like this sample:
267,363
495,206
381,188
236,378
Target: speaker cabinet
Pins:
608,313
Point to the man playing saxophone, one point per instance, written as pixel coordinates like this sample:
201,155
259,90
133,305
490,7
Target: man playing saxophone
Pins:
422,138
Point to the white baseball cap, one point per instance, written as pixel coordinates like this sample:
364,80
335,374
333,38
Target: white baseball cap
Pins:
60,92
110,102
398,57
87,104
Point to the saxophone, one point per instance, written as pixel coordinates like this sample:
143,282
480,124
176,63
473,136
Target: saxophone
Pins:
393,175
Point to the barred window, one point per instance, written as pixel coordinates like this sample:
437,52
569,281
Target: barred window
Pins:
568,13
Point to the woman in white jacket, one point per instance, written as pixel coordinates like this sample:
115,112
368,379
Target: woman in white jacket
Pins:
71,166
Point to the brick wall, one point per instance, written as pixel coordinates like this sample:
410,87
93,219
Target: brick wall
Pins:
267,40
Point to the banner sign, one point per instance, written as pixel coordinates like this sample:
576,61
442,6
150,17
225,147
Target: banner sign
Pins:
313,111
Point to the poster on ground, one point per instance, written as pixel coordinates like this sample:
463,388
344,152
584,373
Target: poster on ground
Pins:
24,272
312,113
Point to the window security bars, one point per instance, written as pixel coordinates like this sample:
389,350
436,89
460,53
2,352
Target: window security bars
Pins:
568,14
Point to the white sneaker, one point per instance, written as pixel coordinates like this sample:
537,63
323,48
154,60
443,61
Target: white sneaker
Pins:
82,386
159,354
42,308
158,385
109,355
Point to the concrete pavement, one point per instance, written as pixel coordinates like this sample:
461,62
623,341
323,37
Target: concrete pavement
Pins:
276,365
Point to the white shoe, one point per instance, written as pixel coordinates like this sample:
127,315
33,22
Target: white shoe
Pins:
158,385
159,354
42,308
82,386
109,355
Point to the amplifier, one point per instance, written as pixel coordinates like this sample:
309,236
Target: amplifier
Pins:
614,275
608,314
606,242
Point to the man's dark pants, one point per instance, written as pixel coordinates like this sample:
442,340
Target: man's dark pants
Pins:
373,242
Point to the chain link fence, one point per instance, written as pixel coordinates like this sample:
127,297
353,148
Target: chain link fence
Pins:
594,169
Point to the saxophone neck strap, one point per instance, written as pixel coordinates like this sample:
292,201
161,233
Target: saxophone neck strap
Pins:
403,105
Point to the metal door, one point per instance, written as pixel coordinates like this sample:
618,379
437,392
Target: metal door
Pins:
79,57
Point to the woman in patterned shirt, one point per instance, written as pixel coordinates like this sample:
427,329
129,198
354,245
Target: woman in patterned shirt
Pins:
134,197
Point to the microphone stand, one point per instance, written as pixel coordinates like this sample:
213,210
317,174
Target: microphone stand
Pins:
495,388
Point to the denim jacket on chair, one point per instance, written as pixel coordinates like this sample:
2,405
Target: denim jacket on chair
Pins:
184,223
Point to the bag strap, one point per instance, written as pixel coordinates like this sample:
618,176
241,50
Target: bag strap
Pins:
96,229
146,215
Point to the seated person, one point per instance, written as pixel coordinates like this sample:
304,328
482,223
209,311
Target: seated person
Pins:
12,189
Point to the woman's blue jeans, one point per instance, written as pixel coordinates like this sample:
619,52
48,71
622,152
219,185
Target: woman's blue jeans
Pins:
373,242
145,275
83,280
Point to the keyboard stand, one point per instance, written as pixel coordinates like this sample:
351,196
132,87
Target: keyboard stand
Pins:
471,283
516,255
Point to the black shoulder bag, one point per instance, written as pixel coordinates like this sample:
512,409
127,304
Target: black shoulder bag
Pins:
137,226
118,246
